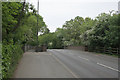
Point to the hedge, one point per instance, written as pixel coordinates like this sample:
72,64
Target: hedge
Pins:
10,57
0,60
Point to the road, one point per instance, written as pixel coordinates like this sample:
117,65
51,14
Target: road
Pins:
88,65
63,63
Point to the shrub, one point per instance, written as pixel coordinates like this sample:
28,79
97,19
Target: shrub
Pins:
0,60
10,57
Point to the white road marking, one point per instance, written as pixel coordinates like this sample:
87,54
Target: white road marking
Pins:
108,67
49,53
83,58
65,67
59,50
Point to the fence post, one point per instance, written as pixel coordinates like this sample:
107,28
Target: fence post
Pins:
104,50
117,50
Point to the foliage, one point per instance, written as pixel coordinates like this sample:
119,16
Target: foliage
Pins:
0,60
10,15
51,40
103,31
10,57
27,30
19,27
75,28
27,33
106,31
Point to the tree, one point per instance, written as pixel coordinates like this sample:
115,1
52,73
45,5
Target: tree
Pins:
19,23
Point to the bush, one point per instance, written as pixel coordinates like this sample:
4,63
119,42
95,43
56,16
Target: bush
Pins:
0,60
10,57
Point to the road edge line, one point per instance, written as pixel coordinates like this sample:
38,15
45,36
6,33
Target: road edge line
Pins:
65,67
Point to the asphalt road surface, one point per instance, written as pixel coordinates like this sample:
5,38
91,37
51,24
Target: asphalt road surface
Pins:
63,63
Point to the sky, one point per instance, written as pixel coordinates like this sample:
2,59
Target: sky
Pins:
56,12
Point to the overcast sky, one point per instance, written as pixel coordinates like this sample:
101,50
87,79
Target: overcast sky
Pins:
56,12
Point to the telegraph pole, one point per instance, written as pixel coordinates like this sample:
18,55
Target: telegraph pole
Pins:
37,25
37,19
119,7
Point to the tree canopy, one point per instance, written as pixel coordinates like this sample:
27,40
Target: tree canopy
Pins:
19,22
103,31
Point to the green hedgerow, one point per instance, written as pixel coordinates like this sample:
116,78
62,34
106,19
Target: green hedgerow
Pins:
10,56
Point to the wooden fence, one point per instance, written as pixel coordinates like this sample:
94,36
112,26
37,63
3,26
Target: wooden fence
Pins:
28,47
106,50
82,48
96,49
